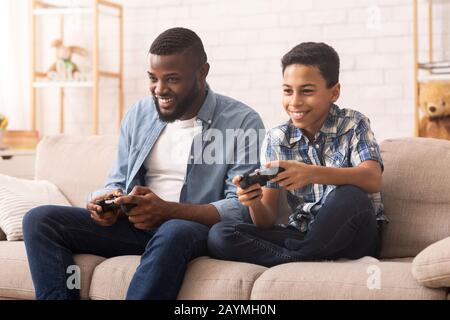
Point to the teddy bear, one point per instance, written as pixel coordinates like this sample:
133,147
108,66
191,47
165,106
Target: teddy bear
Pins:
64,68
434,106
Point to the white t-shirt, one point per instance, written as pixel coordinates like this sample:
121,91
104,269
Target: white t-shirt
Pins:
166,163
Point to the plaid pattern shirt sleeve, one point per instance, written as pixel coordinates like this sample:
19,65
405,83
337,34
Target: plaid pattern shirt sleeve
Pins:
364,146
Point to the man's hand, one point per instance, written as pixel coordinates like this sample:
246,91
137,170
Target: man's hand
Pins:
249,196
150,212
296,175
105,219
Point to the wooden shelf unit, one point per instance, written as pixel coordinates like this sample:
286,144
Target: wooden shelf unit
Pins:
42,9
422,74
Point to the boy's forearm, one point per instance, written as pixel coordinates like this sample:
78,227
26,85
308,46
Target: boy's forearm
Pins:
261,215
364,178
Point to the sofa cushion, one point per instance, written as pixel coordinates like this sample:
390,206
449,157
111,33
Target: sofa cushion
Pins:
213,279
18,196
362,279
77,165
416,194
112,277
15,277
205,278
431,267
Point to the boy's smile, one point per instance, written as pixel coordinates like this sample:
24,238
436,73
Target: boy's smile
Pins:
306,98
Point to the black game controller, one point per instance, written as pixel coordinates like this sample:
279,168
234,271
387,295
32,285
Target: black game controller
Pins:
260,176
110,205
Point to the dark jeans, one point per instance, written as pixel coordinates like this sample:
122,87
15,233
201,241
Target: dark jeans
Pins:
345,227
53,234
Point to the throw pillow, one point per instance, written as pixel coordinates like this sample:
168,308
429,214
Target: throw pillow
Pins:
18,196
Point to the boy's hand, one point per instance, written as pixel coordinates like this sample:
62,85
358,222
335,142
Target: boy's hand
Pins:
108,218
296,175
249,196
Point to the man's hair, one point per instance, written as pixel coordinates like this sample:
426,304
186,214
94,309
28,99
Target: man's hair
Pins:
316,54
178,40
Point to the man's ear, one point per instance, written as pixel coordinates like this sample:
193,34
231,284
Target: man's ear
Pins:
336,92
203,71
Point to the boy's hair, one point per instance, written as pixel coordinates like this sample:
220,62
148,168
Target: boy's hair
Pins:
178,40
317,54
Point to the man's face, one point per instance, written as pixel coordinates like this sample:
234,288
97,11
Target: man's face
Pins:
306,98
174,84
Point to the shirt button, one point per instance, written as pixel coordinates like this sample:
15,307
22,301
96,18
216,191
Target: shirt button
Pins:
209,121
372,148
317,146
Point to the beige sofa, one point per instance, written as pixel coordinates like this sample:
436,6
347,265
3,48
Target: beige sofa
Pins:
415,262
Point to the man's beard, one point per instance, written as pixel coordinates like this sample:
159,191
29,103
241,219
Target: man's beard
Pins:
180,108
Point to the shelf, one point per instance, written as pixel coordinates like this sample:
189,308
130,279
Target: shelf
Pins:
430,77
63,11
10,152
39,10
63,84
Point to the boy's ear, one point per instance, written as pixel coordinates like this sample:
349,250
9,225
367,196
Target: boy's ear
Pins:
336,92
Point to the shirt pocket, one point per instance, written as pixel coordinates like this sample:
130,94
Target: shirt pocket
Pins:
337,158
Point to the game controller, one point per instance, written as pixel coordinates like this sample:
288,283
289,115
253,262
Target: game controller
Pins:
110,205
261,176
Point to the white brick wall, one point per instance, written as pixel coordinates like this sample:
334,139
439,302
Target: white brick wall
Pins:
246,39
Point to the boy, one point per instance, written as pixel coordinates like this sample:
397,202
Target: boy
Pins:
332,174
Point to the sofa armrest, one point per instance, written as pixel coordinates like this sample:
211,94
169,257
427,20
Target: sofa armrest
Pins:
431,267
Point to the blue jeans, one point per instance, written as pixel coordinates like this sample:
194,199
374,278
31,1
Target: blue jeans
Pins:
345,227
52,234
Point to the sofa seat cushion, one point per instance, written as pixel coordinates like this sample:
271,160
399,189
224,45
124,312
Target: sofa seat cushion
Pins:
15,277
363,279
112,277
431,267
211,279
205,278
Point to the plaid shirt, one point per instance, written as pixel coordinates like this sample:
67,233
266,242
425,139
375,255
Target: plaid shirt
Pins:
345,140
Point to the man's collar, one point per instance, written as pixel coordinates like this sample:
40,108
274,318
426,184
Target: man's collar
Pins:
206,111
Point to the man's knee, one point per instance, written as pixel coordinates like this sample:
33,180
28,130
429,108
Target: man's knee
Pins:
183,230
36,218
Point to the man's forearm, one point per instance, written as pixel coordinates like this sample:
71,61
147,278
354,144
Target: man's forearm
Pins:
357,176
206,214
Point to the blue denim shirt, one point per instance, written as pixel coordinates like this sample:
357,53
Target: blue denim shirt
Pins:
211,167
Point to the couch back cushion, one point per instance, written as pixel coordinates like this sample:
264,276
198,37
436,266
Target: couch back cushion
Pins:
416,194
77,165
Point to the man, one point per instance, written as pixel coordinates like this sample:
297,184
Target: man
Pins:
163,167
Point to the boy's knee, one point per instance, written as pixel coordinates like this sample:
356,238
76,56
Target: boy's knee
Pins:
220,239
354,196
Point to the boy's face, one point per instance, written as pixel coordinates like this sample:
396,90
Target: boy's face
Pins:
306,98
